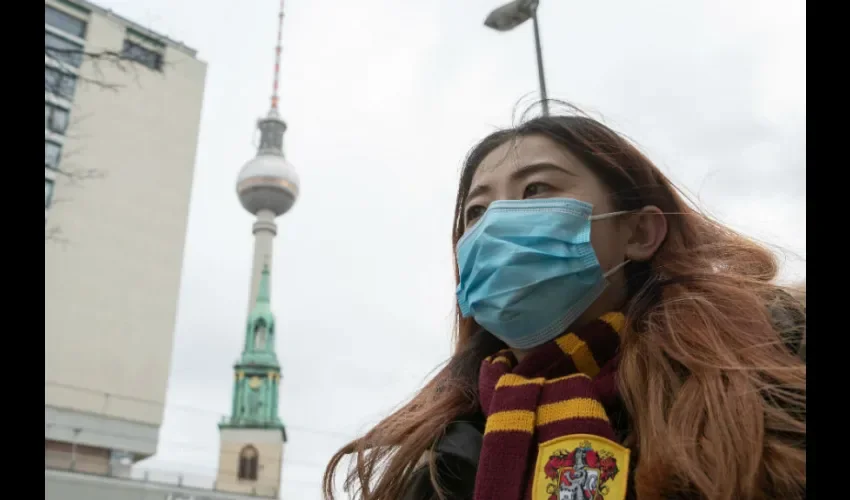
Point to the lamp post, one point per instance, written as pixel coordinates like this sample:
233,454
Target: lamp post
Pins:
511,15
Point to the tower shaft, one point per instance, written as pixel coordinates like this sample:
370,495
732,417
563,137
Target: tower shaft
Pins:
265,230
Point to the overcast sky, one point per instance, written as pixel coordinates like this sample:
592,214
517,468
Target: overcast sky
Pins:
383,98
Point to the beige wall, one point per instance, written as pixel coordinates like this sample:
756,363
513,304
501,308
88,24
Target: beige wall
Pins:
111,287
269,445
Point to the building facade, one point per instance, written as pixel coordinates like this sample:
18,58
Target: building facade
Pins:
122,108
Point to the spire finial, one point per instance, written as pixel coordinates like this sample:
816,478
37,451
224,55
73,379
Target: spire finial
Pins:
277,51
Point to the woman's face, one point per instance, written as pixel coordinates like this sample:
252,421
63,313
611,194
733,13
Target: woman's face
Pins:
537,167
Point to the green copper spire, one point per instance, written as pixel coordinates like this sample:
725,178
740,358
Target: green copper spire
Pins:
263,292
256,385
260,334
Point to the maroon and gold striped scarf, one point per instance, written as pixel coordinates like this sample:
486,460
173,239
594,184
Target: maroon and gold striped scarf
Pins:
548,435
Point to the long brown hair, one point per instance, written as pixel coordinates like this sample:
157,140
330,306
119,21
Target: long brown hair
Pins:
716,400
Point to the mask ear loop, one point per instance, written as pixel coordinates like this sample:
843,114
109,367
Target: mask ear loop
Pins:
610,215
616,268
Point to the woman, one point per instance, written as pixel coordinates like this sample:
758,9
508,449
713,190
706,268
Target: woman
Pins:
639,359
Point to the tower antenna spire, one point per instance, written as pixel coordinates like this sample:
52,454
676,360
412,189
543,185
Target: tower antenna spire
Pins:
277,52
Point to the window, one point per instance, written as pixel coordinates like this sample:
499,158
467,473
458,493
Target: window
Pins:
248,463
55,118
59,83
52,151
65,22
63,50
142,55
48,192
260,336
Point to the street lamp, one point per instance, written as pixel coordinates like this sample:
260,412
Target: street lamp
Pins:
511,15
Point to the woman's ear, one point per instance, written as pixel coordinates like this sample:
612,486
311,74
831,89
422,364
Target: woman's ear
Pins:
648,230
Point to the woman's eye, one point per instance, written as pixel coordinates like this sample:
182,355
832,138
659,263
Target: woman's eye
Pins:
535,189
474,212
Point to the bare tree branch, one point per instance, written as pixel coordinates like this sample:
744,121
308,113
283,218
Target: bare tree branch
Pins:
61,58
126,63
53,234
66,61
80,175
68,168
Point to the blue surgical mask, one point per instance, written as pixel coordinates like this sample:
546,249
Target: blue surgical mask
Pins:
527,269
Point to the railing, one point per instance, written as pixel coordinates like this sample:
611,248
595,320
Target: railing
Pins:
162,477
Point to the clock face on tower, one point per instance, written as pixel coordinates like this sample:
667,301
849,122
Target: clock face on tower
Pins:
255,383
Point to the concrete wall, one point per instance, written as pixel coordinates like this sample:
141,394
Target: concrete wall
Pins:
111,286
269,445
61,485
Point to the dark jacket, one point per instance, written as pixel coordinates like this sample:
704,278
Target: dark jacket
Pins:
458,450
457,460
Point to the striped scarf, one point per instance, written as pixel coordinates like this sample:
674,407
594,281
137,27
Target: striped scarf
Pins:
548,413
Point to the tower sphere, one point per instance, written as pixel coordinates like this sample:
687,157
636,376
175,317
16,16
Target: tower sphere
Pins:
268,181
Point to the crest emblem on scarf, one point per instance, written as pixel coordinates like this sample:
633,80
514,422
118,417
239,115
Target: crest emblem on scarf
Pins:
581,468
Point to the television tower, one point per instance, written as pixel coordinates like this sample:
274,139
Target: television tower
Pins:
268,185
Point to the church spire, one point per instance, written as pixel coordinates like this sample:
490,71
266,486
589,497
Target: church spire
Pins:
260,333
264,292
257,377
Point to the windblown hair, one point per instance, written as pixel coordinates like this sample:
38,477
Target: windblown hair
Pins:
715,397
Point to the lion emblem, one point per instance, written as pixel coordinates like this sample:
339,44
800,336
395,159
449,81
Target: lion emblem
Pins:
580,474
